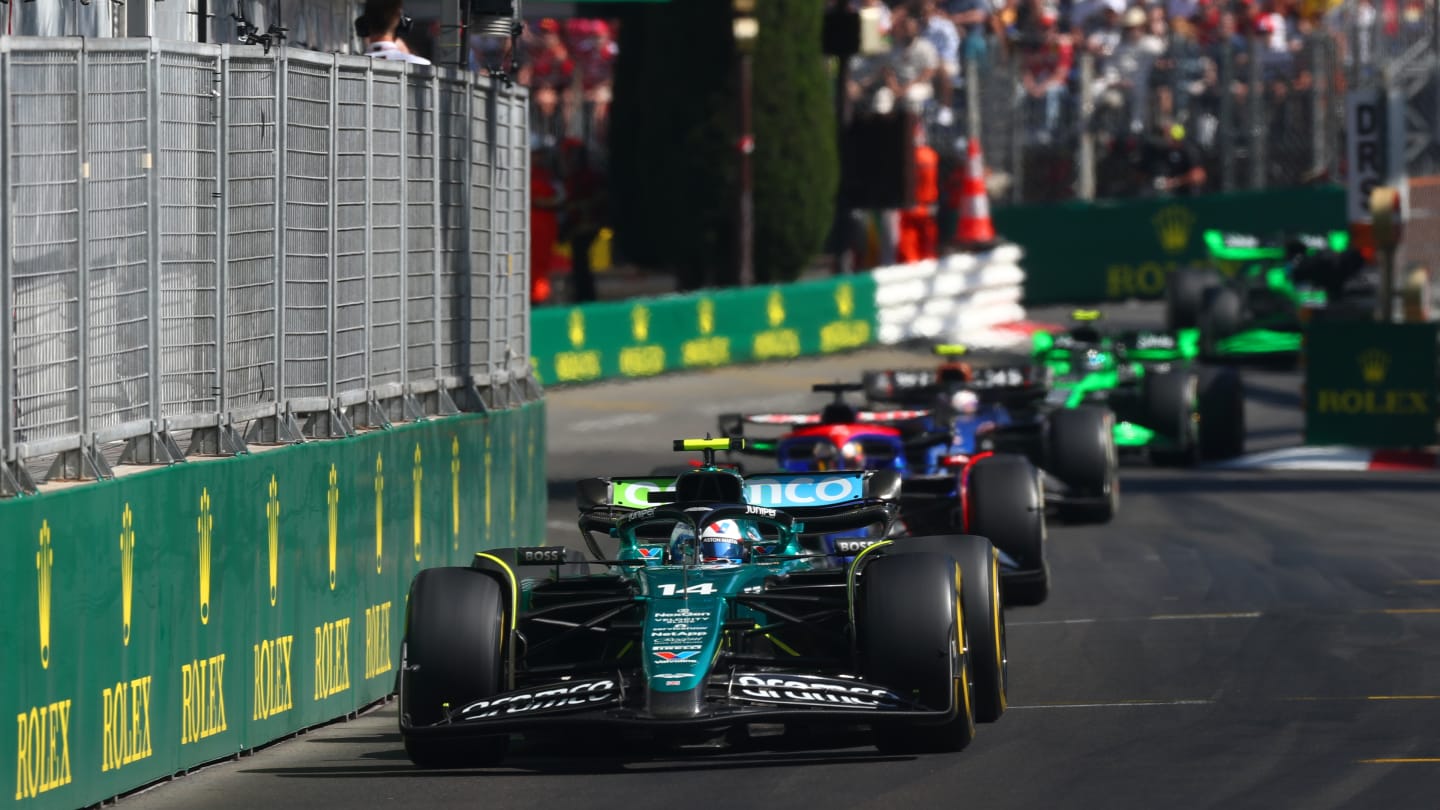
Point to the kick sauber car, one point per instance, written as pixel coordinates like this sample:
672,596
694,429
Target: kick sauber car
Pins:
908,640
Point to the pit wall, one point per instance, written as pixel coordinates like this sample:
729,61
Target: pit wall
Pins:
176,616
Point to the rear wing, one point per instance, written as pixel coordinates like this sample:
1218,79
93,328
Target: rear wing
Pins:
1001,383
1228,246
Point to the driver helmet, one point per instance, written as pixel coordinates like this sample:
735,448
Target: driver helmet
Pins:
721,543
965,402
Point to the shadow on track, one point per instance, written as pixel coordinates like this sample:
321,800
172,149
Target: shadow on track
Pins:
1267,481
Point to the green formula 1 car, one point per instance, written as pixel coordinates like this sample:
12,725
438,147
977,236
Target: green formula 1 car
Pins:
701,613
1256,301
1164,401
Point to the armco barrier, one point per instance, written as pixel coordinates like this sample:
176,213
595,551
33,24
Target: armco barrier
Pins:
958,297
1113,250
648,336
176,616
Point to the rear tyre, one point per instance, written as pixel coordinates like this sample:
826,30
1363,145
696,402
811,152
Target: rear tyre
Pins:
1169,403
1220,317
912,639
451,655
981,594
1185,296
1004,503
1080,451
1222,414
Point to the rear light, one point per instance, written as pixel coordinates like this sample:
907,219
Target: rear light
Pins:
954,460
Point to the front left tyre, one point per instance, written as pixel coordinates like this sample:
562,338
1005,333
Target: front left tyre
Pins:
452,655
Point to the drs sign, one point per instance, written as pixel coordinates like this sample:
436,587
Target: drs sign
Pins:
1377,131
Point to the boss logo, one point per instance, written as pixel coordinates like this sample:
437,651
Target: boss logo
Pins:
853,546
542,556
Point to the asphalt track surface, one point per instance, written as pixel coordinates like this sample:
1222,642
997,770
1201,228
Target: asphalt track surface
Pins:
1232,639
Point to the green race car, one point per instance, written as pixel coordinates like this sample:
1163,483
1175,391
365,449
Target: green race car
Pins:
700,613
1165,403
1255,302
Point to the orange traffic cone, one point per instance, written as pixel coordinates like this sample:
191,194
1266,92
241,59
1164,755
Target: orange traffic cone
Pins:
975,229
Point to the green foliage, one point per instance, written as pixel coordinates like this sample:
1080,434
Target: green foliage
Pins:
674,129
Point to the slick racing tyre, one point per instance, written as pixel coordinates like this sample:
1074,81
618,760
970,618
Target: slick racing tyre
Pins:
1185,296
1080,451
1169,408
1004,503
1222,414
1221,316
981,596
451,655
908,617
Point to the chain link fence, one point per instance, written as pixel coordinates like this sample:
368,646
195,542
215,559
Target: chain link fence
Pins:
1254,118
211,246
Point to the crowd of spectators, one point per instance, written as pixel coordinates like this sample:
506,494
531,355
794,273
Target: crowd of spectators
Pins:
569,67
1161,69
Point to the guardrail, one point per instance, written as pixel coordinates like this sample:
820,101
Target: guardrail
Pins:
232,246
954,298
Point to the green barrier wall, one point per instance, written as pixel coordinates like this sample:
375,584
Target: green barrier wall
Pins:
644,337
1370,384
176,616
1118,249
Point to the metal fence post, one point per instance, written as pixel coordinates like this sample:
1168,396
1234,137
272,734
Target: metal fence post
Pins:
369,251
153,303
222,233
1319,103
1085,155
82,262
7,320
437,255
1225,131
404,238
1258,130
332,248
282,120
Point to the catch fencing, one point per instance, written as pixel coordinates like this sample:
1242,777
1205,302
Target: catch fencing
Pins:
219,245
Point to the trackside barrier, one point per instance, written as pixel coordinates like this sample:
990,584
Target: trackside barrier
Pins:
952,298
960,297
177,616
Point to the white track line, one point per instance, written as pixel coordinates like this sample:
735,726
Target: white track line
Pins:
1163,617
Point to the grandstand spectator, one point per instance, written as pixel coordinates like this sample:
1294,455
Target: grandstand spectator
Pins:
941,32
380,22
971,19
548,71
1126,77
1045,72
1171,163
547,195
593,47
914,63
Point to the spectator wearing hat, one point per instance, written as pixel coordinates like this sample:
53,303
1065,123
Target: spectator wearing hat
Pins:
1126,75
1045,72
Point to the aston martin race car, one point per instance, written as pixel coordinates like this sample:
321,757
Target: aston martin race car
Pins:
1165,402
669,634
952,484
1255,302
1073,447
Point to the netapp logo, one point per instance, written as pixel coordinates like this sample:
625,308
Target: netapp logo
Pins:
811,692
563,696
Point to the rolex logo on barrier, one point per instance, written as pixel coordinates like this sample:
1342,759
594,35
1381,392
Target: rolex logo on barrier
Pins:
417,476
706,313
379,512
272,518
577,328
332,501
1374,365
775,308
1172,227
640,323
205,527
455,490
44,571
127,570
845,300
